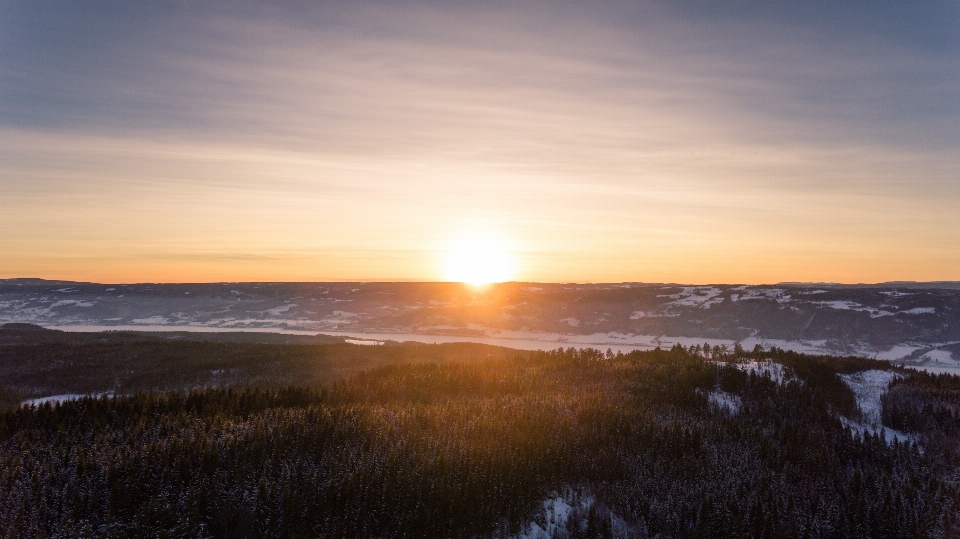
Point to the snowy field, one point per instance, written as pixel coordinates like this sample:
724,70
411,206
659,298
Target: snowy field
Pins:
868,387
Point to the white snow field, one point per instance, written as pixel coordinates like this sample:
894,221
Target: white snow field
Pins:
944,357
868,387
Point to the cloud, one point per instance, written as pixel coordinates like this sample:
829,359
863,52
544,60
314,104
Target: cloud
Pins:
585,128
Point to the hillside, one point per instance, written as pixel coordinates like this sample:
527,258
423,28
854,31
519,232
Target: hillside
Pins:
36,363
574,443
911,322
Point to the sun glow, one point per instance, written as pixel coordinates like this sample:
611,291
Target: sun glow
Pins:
479,260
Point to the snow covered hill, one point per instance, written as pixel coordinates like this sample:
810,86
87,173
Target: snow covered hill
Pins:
902,322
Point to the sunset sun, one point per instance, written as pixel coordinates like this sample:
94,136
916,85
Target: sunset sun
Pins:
479,260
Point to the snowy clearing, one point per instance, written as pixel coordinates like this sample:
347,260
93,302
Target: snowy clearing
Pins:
889,435
776,371
724,400
560,515
277,311
868,387
940,356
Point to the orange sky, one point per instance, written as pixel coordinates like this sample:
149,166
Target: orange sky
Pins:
592,144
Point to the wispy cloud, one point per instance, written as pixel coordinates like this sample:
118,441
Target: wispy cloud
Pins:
595,134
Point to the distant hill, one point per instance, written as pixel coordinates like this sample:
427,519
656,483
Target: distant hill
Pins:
918,323
910,285
20,333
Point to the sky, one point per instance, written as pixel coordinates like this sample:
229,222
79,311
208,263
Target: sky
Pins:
678,141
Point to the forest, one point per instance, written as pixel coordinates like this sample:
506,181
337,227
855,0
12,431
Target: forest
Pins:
417,443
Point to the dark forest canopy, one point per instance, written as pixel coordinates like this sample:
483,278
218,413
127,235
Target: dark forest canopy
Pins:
38,363
447,448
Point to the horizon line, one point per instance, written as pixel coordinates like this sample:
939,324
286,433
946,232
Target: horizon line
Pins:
39,280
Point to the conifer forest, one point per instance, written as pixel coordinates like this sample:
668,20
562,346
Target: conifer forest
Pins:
465,441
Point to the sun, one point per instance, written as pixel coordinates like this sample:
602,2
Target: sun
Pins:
479,260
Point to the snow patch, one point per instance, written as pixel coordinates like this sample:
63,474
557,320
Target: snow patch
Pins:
939,356
551,520
339,317
919,310
762,293
73,302
57,399
560,514
157,319
695,296
847,305
364,342
889,435
277,311
722,399
868,387
637,315
572,322
897,352
776,371
843,305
